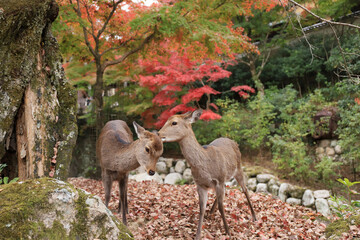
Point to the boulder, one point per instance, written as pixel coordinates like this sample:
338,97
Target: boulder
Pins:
333,143
274,189
338,149
319,150
322,207
296,192
261,187
187,175
46,208
284,191
161,167
140,169
251,184
272,181
330,151
169,162
146,177
172,170
322,194
253,171
308,198
180,166
172,178
324,143
264,178
293,201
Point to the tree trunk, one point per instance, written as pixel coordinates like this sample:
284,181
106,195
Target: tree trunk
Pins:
37,114
99,101
258,84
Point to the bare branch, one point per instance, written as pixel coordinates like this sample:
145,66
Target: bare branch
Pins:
323,19
116,48
115,4
127,54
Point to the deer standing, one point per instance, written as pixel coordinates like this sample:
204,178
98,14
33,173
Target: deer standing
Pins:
211,165
119,154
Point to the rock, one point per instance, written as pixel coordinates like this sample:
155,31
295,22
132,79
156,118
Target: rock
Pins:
161,159
146,177
293,201
324,143
338,149
322,207
272,181
261,187
140,169
253,171
172,178
169,162
180,166
161,167
172,170
187,175
296,192
308,199
163,176
319,150
283,191
264,178
274,189
333,143
51,209
251,184
330,151
35,94
322,194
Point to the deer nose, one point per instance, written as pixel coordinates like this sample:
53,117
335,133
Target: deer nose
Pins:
151,172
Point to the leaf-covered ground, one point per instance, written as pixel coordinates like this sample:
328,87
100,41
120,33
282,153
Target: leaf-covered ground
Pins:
161,211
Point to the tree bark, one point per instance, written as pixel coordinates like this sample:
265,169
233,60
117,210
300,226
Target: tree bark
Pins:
38,105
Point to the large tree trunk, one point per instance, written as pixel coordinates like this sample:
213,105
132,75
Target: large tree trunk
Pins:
37,112
98,97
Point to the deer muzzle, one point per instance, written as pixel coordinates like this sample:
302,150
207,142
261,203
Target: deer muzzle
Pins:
151,172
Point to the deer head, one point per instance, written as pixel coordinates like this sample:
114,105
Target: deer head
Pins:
179,126
148,150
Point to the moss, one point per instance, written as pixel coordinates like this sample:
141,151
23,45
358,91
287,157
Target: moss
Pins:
253,171
80,228
337,228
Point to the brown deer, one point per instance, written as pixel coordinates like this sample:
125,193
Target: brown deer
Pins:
119,154
211,165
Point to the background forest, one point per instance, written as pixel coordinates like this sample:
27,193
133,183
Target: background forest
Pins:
262,76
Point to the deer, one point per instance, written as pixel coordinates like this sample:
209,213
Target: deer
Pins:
211,165
119,154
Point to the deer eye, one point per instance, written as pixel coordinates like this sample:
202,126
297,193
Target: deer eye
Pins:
173,123
147,149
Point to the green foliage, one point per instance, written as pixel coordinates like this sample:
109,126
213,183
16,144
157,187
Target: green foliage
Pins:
325,170
5,180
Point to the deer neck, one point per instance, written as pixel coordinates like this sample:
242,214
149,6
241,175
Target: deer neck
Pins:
193,152
128,156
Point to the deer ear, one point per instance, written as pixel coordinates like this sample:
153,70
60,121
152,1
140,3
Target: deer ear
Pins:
139,130
194,116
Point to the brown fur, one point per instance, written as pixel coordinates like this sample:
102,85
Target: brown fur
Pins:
119,154
210,166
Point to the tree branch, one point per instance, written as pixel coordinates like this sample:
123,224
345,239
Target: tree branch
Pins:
323,19
109,17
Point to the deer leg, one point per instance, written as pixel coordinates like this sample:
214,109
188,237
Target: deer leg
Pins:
220,193
107,182
203,197
213,208
126,187
240,179
122,186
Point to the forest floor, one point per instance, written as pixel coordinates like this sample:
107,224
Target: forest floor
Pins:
162,211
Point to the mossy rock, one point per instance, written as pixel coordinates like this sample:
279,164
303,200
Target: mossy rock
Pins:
47,208
253,171
336,228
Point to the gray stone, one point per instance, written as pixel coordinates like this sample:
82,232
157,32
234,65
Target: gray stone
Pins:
262,188
172,178
187,175
161,167
338,149
169,162
264,178
322,194
283,191
180,166
161,159
140,169
172,170
146,177
308,199
322,207
251,184
273,181
324,143
319,150
330,151
274,189
333,143
163,176
296,191
293,201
